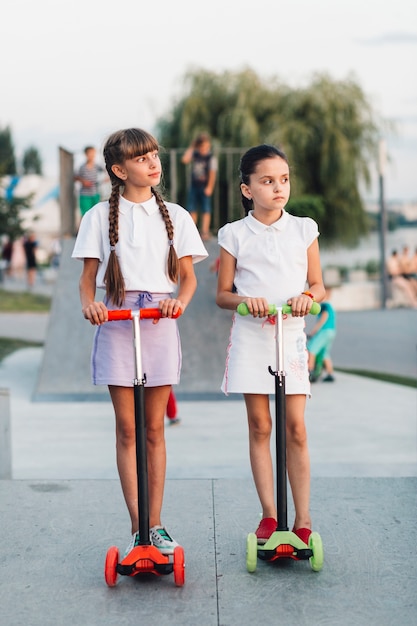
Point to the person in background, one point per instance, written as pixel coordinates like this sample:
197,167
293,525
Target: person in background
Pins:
172,409
406,266
395,274
6,255
203,178
321,339
413,264
29,245
88,177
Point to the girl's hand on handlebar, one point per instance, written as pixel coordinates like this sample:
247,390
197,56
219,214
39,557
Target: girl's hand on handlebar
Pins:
95,313
300,305
258,307
170,307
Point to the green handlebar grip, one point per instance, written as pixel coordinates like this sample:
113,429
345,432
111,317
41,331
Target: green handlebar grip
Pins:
242,309
315,309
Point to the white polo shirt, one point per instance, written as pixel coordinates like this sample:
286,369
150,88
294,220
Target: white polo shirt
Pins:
143,246
271,260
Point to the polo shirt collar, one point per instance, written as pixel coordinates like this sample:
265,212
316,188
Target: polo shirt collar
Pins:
257,227
150,206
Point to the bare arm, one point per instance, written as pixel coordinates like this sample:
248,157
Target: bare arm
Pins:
225,298
301,303
324,316
187,287
211,182
188,155
95,312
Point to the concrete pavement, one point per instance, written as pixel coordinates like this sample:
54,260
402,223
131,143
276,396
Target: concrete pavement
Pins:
357,427
64,509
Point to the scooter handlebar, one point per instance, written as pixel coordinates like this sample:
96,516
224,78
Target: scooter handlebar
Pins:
243,309
148,314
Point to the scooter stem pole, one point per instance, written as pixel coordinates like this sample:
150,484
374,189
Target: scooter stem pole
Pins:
280,428
140,429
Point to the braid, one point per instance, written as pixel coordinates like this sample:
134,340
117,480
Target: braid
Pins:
173,262
113,278
114,213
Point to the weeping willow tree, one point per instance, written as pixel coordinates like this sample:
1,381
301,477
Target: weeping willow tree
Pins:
327,129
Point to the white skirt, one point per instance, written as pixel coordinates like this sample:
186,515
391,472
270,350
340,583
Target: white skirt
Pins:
252,349
113,360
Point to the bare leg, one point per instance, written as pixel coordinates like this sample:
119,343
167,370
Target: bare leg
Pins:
311,362
328,365
260,427
194,216
205,225
31,276
156,399
298,460
406,287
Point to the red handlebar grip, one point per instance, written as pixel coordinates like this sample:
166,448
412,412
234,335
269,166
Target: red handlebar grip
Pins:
123,314
155,314
150,314
144,314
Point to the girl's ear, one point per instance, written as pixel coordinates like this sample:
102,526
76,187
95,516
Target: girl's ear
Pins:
246,191
119,171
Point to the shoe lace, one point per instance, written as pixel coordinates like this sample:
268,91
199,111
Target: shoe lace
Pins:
163,533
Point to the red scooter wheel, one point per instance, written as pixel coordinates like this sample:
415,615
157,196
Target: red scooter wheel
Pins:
110,571
179,566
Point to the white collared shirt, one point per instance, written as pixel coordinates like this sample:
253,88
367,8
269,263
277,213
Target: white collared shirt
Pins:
271,261
142,247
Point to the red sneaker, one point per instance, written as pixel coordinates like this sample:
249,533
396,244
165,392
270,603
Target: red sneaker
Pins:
303,534
267,526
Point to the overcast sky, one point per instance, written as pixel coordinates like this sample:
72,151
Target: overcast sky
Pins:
75,71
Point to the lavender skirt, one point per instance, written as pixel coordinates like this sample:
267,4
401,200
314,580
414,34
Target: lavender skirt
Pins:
112,358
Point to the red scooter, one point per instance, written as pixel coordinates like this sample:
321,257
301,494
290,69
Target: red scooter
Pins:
144,558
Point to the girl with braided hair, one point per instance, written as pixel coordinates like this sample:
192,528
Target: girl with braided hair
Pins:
141,251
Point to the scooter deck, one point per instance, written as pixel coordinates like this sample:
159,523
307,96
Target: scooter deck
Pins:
284,544
145,560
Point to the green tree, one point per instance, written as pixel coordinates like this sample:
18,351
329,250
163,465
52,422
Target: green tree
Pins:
10,216
32,162
7,156
331,138
327,130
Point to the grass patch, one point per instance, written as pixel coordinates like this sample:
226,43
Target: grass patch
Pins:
386,378
23,302
8,346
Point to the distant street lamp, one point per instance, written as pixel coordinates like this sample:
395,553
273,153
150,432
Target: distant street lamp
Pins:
382,159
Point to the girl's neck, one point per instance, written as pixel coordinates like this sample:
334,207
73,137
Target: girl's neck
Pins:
137,194
267,217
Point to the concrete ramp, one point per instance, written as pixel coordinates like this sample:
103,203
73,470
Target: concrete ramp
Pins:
65,370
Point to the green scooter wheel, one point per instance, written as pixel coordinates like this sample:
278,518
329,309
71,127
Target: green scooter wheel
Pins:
316,546
251,552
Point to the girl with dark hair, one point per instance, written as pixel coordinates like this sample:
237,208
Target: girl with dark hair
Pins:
140,249
267,258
